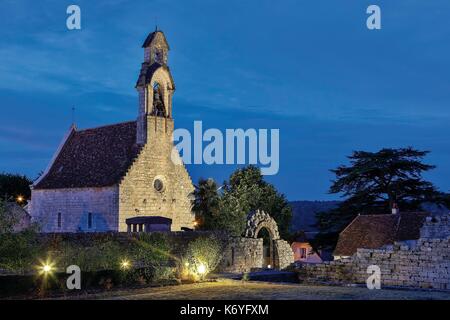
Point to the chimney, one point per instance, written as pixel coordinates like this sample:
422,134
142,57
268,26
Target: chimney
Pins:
395,208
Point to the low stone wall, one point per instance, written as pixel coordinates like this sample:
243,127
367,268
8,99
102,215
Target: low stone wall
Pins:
423,263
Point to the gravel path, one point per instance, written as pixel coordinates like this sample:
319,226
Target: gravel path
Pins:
236,290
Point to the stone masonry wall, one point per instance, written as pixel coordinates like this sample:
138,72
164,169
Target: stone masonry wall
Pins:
424,263
75,206
242,255
138,197
437,227
283,254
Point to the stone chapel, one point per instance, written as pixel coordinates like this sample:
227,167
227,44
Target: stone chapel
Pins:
121,177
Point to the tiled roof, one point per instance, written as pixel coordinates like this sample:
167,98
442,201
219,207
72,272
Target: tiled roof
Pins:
375,231
95,157
152,36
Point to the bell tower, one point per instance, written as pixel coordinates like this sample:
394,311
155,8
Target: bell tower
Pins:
155,88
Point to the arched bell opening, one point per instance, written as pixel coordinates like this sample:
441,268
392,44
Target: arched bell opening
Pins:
158,110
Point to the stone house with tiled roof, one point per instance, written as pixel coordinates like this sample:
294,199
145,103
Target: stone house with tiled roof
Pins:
374,231
100,177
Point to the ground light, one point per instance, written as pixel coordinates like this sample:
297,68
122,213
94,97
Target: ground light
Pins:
46,268
201,269
125,264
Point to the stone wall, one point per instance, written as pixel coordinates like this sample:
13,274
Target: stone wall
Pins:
75,206
138,197
423,263
437,227
284,256
242,255
239,254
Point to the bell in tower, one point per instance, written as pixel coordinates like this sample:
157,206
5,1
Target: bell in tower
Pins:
158,105
155,86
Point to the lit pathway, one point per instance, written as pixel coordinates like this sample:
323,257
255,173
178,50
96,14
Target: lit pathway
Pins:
236,290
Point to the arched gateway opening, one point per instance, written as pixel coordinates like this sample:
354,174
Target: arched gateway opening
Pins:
268,261
260,225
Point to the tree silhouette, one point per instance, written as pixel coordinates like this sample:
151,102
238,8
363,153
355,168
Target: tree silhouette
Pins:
373,183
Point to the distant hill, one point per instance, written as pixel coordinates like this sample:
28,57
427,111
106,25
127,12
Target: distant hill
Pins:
303,213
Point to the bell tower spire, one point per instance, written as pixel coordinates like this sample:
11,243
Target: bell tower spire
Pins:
156,48
155,84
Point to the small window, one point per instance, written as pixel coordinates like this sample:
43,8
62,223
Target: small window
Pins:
90,220
158,185
302,252
59,220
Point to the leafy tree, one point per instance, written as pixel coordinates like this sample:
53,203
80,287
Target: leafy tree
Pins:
245,192
14,185
206,204
372,184
248,186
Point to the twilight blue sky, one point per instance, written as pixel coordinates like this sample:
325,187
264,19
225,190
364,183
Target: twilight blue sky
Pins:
310,68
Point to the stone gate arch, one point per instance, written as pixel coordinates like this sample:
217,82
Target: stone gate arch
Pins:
281,254
245,253
258,220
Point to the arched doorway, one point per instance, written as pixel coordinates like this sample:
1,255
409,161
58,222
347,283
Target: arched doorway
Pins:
260,225
267,261
259,247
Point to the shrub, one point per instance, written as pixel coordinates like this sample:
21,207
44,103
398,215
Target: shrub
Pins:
19,251
203,256
98,256
101,255
150,249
